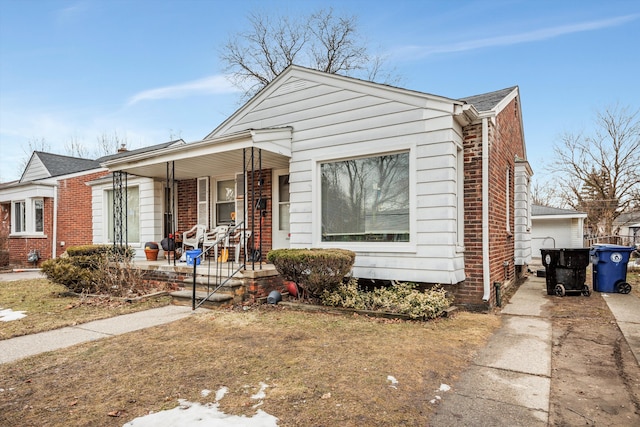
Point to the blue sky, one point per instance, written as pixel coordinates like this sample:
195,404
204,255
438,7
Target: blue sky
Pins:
149,71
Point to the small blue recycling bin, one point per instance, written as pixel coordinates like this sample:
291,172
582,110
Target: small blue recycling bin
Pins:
610,268
194,254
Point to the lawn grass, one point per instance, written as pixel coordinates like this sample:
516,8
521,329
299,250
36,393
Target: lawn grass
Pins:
320,369
46,309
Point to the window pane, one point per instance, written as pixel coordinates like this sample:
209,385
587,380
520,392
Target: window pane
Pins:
226,190
132,215
283,217
226,201
39,215
366,199
19,217
223,212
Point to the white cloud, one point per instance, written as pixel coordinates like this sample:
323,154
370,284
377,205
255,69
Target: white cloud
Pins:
208,85
513,39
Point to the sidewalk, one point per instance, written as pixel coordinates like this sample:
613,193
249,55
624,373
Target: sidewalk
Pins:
20,347
509,381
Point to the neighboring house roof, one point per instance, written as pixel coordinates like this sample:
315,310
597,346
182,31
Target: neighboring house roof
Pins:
488,101
627,218
538,211
140,150
48,165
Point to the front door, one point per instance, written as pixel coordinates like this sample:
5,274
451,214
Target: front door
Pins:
281,229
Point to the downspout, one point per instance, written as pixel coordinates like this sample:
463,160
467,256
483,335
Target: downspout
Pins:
55,222
486,276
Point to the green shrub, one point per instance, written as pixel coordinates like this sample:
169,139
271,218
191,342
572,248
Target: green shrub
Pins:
313,270
116,252
94,269
400,298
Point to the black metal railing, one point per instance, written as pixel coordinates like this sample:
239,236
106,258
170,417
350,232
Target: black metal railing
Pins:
221,267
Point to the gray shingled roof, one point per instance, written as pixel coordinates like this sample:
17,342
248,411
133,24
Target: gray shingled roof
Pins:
487,101
139,150
537,210
58,165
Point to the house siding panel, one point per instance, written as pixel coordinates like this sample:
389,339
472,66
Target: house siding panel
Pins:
333,122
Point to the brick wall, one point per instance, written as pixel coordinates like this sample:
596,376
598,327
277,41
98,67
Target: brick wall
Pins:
75,225
187,204
262,220
505,142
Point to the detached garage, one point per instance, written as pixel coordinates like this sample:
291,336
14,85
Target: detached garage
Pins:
556,228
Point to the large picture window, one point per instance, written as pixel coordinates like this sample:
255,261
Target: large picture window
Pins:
366,199
132,215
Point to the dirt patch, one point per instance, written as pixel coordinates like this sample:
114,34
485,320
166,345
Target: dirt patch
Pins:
595,376
319,369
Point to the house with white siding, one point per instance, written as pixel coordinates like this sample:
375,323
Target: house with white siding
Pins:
423,188
556,228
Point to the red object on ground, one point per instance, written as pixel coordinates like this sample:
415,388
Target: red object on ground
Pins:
292,289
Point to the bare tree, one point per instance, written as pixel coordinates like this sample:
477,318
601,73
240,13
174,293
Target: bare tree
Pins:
321,41
33,144
545,194
75,148
602,171
110,144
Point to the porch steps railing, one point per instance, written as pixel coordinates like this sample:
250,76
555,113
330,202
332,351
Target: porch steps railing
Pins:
216,282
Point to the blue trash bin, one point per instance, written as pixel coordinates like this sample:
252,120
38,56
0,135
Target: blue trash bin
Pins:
610,268
193,255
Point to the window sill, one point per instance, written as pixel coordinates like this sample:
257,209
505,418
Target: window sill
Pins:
27,236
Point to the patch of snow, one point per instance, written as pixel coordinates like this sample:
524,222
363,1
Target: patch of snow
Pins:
189,414
260,394
7,315
205,393
394,382
221,392
444,387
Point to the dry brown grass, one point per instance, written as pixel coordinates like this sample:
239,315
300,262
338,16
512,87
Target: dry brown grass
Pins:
46,309
321,369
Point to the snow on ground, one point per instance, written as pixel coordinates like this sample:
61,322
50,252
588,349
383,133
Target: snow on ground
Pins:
190,414
7,315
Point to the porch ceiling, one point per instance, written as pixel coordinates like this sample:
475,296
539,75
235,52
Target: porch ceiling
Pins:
217,156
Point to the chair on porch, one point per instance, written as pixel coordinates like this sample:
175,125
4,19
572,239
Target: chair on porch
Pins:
194,237
214,238
240,241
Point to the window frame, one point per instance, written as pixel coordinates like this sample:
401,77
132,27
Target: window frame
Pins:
366,152
28,217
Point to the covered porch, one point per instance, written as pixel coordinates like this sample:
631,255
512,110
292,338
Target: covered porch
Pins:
221,183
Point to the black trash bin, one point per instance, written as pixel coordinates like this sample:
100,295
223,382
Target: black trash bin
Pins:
566,270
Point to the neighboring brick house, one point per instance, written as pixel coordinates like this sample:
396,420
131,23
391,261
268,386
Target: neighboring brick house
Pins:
423,188
48,209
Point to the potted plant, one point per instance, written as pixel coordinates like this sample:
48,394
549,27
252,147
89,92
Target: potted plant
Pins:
151,251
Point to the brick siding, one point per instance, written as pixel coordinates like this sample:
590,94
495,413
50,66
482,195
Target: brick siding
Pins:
505,142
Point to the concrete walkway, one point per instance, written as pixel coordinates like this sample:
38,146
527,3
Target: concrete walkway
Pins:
29,345
510,379
509,382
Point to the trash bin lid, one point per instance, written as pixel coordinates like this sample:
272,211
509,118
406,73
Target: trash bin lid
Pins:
611,247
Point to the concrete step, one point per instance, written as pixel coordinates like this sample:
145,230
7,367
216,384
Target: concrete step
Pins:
232,287
216,300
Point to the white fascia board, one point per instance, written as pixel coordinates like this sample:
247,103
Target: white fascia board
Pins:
26,191
237,141
549,217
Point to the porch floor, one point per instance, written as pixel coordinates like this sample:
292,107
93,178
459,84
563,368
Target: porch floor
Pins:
251,270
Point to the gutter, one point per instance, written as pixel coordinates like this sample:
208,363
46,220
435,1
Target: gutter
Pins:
486,279
55,222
